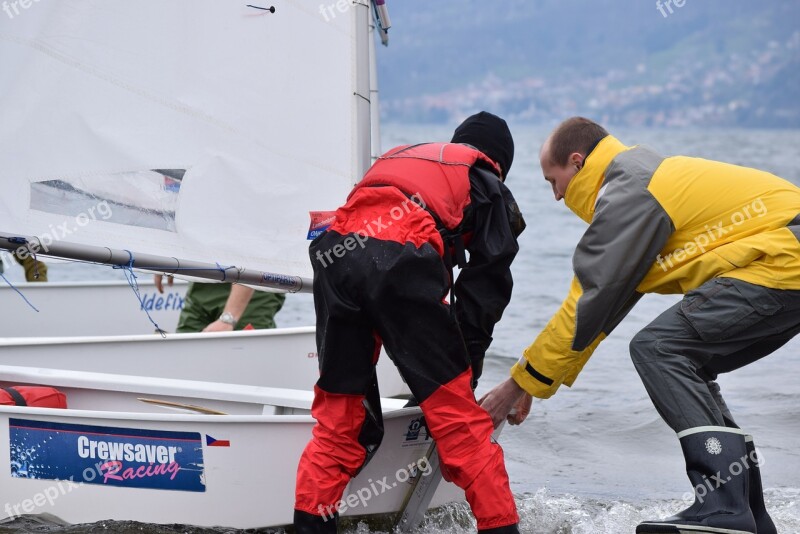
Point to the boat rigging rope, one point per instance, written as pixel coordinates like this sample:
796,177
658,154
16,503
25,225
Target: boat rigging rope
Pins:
22,241
131,277
18,292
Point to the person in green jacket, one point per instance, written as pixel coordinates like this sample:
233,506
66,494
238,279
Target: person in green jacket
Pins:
225,307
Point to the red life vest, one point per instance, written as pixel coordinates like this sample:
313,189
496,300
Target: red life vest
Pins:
39,396
437,173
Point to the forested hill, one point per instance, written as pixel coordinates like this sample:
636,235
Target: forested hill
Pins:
638,62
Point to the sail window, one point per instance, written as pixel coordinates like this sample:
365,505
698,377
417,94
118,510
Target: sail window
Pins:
146,198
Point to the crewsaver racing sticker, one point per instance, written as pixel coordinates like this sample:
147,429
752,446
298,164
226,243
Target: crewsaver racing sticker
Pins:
320,221
124,457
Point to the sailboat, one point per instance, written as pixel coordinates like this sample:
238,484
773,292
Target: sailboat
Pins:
186,452
251,116
166,149
91,326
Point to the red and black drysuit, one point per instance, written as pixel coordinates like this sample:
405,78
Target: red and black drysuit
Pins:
381,275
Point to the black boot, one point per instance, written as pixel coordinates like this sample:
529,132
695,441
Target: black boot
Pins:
305,523
764,524
715,462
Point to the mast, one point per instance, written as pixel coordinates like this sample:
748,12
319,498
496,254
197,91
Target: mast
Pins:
374,101
362,93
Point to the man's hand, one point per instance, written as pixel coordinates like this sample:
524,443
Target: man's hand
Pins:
521,410
502,398
157,278
218,326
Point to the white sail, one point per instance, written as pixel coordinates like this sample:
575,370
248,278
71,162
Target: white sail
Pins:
204,130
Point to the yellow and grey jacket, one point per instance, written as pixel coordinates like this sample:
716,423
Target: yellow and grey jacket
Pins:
659,225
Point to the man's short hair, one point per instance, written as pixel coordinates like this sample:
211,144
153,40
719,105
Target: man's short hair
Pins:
577,134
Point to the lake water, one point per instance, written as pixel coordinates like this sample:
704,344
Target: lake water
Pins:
595,458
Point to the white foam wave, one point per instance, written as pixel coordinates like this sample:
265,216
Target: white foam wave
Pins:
544,512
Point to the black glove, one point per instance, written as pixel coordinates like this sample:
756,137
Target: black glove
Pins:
477,369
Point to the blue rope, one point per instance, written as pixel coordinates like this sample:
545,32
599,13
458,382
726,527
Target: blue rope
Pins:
18,292
131,277
224,271
23,242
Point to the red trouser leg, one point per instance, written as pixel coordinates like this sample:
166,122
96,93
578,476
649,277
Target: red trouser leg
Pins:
348,350
396,290
462,431
424,340
334,454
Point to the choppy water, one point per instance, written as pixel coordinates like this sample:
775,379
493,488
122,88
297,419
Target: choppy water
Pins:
595,458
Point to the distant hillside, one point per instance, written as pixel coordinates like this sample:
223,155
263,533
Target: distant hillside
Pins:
717,62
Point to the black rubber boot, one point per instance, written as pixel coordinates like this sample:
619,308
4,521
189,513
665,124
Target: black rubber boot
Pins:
716,462
305,523
764,524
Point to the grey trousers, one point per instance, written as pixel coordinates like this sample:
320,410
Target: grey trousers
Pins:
721,326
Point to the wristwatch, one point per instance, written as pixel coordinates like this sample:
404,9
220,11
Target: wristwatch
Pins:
228,318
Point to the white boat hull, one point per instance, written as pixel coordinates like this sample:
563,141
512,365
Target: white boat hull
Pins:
281,357
246,483
90,308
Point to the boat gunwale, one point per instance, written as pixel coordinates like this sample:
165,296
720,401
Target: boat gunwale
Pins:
154,338
172,387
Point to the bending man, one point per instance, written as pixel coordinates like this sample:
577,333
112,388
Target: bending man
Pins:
381,273
725,236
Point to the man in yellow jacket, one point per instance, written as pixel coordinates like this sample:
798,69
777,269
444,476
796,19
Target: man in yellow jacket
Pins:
726,237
